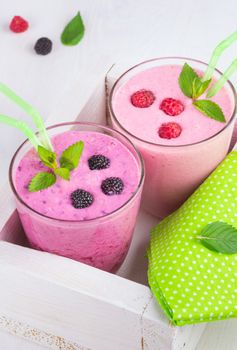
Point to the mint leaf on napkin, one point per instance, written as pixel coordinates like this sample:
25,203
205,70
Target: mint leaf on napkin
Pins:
219,237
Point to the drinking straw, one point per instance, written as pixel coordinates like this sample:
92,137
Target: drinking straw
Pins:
23,127
225,76
217,53
31,111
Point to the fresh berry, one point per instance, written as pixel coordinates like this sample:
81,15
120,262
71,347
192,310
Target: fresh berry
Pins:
169,130
81,199
171,106
142,98
43,46
98,162
112,185
18,24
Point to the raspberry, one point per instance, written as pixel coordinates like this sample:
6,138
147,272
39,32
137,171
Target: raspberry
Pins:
171,106
142,98
81,199
98,162
18,24
169,130
43,46
112,185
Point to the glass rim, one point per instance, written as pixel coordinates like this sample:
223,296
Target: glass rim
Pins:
111,111
100,218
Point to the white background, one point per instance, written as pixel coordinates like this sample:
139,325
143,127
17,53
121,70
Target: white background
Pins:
115,30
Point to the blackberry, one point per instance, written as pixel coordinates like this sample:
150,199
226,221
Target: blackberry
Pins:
112,185
81,199
43,46
98,162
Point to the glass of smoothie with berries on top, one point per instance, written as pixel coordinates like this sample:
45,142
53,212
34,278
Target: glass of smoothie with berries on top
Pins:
77,188
182,134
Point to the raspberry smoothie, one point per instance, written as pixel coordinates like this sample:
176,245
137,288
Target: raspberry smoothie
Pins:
179,144
91,217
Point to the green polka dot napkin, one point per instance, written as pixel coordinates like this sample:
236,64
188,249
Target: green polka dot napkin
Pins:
192,283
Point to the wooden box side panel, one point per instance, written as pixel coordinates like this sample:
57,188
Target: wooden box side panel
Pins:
77,306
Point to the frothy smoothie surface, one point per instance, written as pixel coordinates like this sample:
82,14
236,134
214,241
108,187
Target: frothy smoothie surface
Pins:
56,202
144,123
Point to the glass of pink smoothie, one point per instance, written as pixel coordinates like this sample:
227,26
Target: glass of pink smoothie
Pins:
175,167
100,233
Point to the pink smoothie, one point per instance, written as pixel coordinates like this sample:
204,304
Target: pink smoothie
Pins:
88,234
55,201
173,173
144,122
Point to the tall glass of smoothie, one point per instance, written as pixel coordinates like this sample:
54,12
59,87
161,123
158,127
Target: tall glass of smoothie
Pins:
180,146
90,218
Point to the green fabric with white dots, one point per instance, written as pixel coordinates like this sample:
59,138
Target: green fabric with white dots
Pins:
192,283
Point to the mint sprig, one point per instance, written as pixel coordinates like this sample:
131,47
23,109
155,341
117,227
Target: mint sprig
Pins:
219,237
69,161
193,87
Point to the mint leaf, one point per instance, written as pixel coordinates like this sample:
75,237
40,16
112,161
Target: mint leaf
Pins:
63,173
210,109
71,156
199,87
47,157
73,32
219,237
186,79
41,181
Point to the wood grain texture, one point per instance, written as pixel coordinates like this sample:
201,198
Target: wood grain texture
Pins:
73,305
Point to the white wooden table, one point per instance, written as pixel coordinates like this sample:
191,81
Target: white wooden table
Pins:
115,30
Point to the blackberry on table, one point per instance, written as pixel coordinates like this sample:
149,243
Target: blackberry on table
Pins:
81,199
43,46
98,162
112,185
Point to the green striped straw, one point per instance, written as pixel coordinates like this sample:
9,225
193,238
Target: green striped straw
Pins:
23,127
223,79
220,48
32,112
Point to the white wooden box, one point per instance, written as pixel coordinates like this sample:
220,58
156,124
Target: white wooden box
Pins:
62,304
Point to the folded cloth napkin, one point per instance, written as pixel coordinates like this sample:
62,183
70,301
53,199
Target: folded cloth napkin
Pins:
192,283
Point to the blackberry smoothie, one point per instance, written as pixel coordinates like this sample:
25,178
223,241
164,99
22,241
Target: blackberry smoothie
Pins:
179,144
91,217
